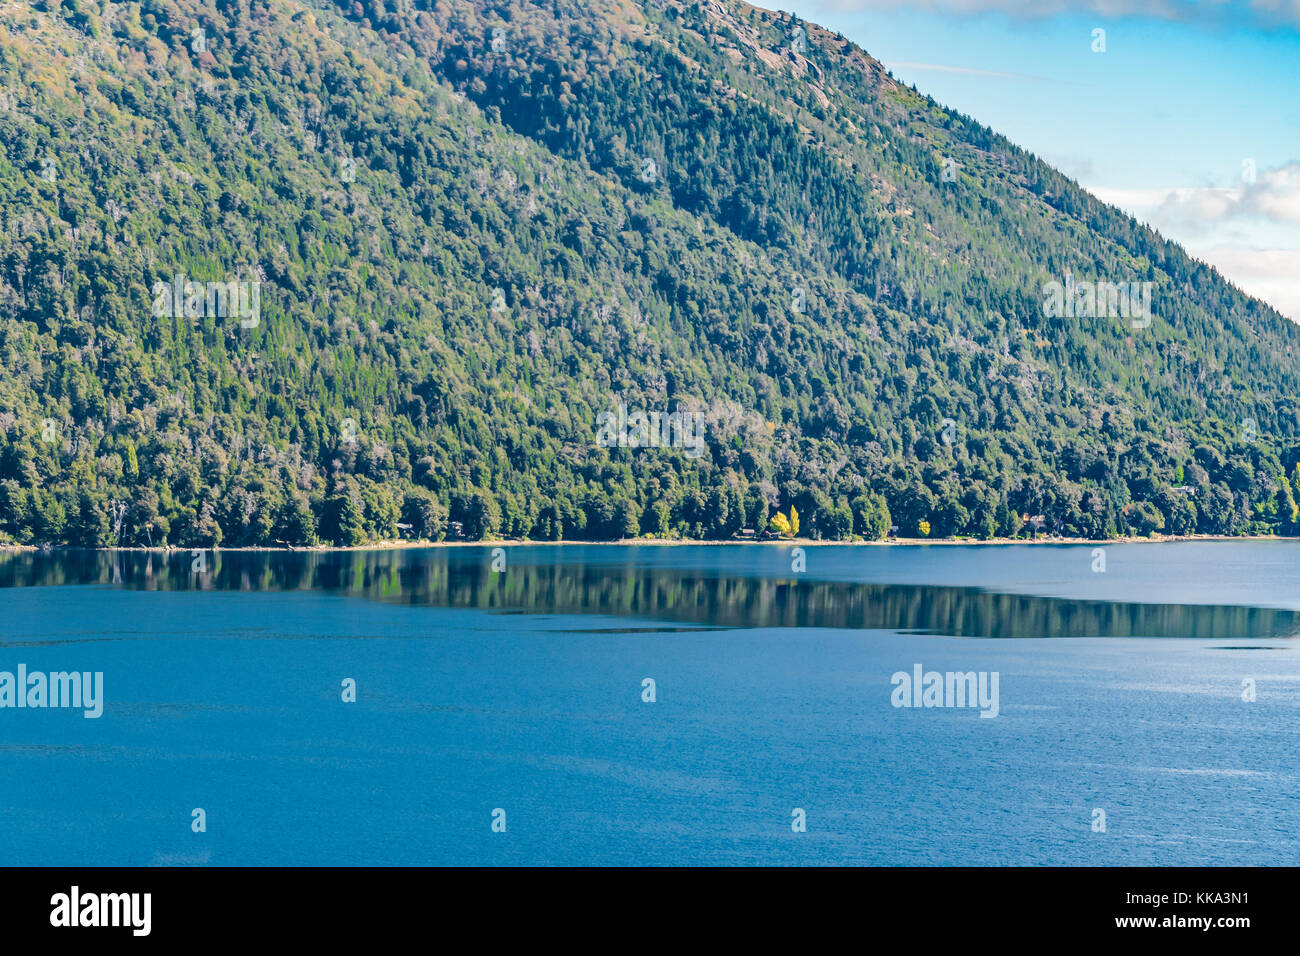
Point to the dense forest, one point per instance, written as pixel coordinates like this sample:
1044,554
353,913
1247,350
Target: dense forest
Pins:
474,231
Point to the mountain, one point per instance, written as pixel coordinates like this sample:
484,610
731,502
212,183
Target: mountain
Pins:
287,270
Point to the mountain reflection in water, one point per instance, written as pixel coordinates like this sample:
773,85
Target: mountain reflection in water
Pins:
549,581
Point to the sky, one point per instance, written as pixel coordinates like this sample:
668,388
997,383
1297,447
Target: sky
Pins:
1189,118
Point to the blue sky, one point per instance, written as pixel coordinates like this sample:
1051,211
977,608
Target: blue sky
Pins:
1189,120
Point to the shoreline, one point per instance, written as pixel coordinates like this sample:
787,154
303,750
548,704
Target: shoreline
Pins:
408,544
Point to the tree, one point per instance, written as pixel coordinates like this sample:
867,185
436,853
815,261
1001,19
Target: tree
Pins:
951,516
294,523
482,517
841,522
1178,511
787,527
427,518
1009,523
627,523
1094,515
912,505
15,513
870,516
550,524
1288,514
142,518
1145,518
718,514
1218,513
756,509
381,511
198,527
90,528
342,521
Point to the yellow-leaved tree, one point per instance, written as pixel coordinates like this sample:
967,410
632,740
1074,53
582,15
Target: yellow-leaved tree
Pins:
786,527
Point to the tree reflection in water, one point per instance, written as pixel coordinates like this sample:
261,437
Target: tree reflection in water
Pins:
463,578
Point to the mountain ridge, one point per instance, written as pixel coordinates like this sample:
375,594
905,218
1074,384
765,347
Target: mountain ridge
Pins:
464,260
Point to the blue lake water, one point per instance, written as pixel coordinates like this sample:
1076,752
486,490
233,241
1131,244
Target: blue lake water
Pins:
521,691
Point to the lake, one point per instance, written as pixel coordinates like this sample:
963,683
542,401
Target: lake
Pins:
627,705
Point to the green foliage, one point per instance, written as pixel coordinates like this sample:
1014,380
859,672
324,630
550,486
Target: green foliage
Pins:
796,270
342,521
1145,518
871,516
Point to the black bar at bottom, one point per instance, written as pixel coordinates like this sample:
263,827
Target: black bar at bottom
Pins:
339,905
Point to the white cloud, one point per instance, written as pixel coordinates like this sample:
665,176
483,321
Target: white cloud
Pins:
1276,194
1268,274
1273,197
1249,232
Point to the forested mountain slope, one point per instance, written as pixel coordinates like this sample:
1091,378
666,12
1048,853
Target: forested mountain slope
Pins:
462,231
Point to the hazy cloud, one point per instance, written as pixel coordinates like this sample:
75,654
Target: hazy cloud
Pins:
1273,197
1217,12
1210,222
1268,274
968,70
